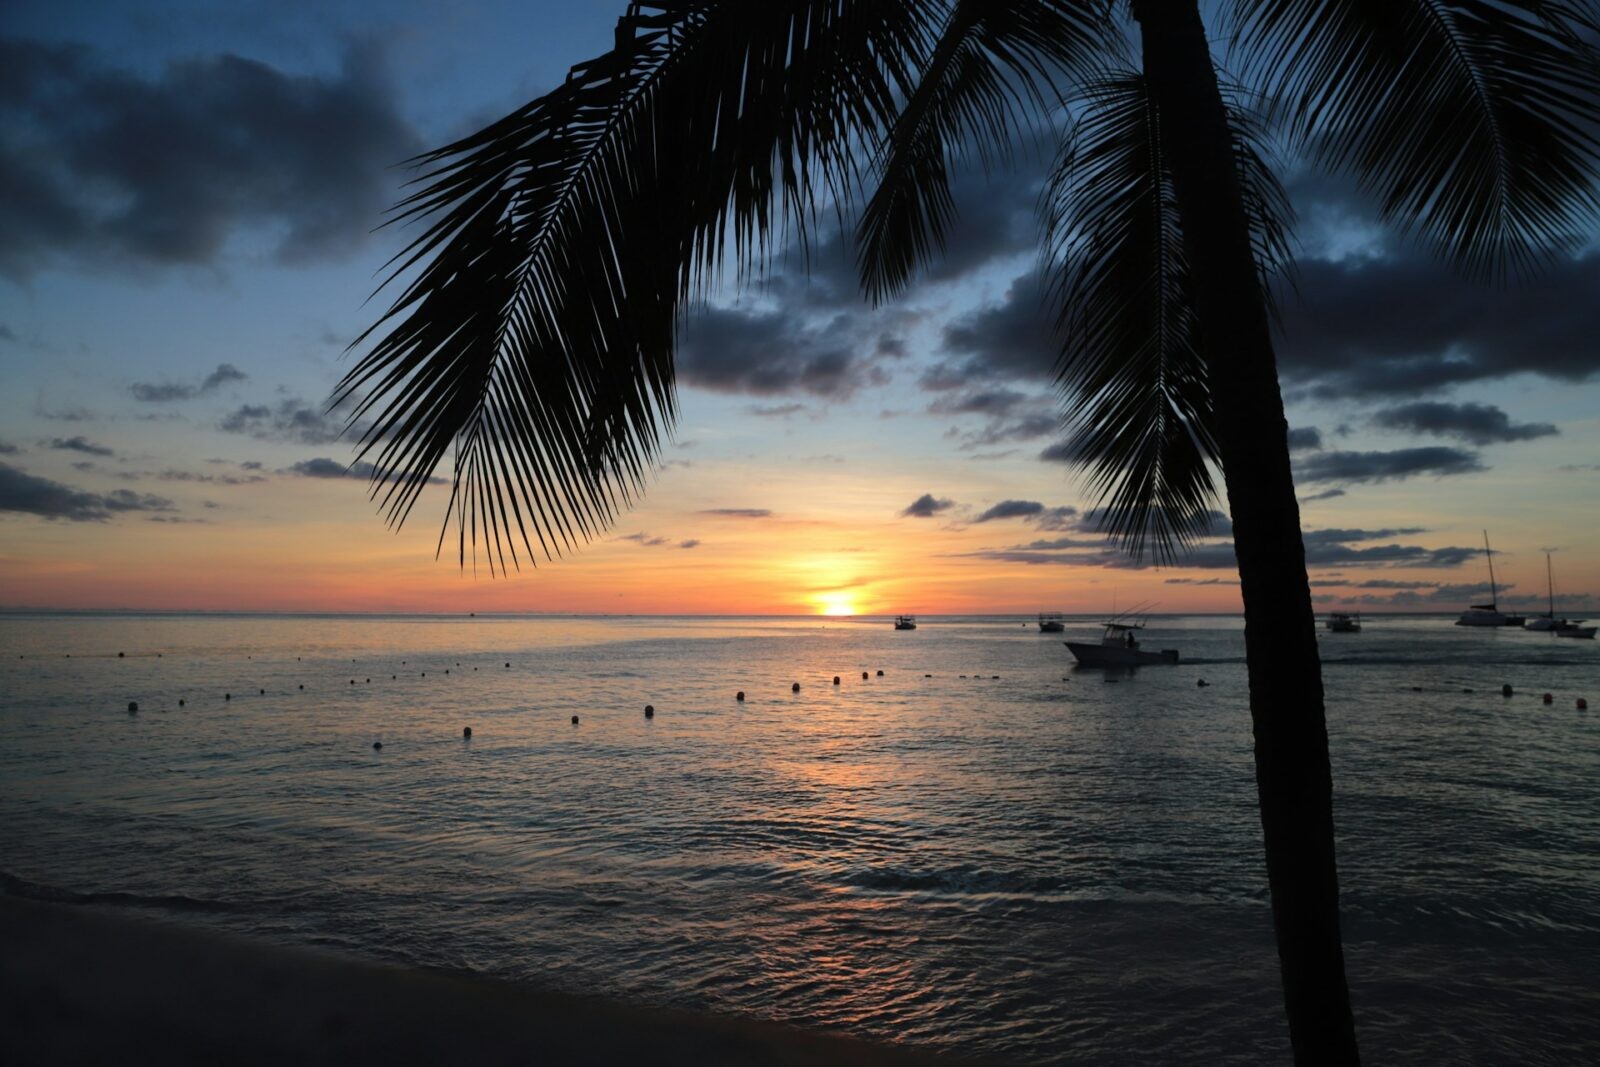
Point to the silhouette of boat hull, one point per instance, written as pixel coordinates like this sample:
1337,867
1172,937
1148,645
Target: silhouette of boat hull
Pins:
905,622
1097,655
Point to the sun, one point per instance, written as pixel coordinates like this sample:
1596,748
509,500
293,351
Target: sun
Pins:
836,604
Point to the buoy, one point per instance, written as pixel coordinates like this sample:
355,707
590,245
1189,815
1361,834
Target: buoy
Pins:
1202,683
994,678
133,706
180,703
927,676
574,720
880,674
424,674
352,681
836,679
121,654
1505,690
795,688
739,695
963,676
863,676
369,681
377,745
1548,699
227,696
447,670
508,664
1416,689
1466,690
649,711
1583,705
263,692
466,731
302,685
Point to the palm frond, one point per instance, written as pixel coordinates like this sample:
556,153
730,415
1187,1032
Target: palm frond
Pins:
1132,371
989,72
1472,122
535,336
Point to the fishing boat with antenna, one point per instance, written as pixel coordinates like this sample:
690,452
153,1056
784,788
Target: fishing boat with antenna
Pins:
1489,614
1119,644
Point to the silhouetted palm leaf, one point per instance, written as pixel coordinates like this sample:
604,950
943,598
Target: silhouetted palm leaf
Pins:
1472,121
1132,372
537,336
993,61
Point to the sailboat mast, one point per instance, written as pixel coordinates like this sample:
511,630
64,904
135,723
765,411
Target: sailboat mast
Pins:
1494,594
1550,585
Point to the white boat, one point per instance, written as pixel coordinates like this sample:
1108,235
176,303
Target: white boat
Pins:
905,622
1572,628
1119,647
1489,614
1343,622
1050,622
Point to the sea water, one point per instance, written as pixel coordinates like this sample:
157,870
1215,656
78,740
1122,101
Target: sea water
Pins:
982,849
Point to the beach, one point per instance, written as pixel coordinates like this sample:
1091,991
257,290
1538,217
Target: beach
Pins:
80,985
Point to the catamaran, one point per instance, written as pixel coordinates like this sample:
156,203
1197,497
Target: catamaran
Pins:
1489,614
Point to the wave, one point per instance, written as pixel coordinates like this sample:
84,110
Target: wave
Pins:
11,885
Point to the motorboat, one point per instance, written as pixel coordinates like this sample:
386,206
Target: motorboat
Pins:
1344,622
1489,614
1574,628
905,622
1050,622
1119,647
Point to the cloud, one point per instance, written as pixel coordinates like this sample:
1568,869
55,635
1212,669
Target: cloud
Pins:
100,164
643,538
774,353
739,513
324,467
1326,494
1011,509
1402,324
693,542
776,410
1386,466
1012,340
1305,439
1479,424
166,392
81,444
292,420
32,495
8,449
927,506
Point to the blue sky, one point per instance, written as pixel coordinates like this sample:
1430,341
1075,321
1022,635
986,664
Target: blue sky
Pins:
190,237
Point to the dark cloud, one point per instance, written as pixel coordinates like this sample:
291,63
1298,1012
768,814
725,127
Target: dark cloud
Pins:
1385,466
739,513
776,411
1013,340
32,495
1305,439
102,164
1479,424
927,506
1060,452
81,444
693,542
1012,509
1337,535
1373,328
324,467
774,353
642,538
167,392
1326,494
171,475
292,420
8,449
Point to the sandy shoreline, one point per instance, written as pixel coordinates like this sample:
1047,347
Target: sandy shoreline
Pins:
88,985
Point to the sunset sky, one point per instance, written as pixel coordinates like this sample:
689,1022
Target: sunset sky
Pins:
188,198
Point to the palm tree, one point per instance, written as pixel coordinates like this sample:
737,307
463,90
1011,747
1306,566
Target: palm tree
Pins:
534,331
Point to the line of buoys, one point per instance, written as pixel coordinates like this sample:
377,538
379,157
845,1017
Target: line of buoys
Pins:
739,695
466,732
649,711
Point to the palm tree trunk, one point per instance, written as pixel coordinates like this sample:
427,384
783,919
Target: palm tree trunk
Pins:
1293,778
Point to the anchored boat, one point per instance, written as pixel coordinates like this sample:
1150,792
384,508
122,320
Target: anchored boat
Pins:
1344,622
1489,614
1050,622
1119,647
905,622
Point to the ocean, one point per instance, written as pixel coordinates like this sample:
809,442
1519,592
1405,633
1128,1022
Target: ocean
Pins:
981,849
